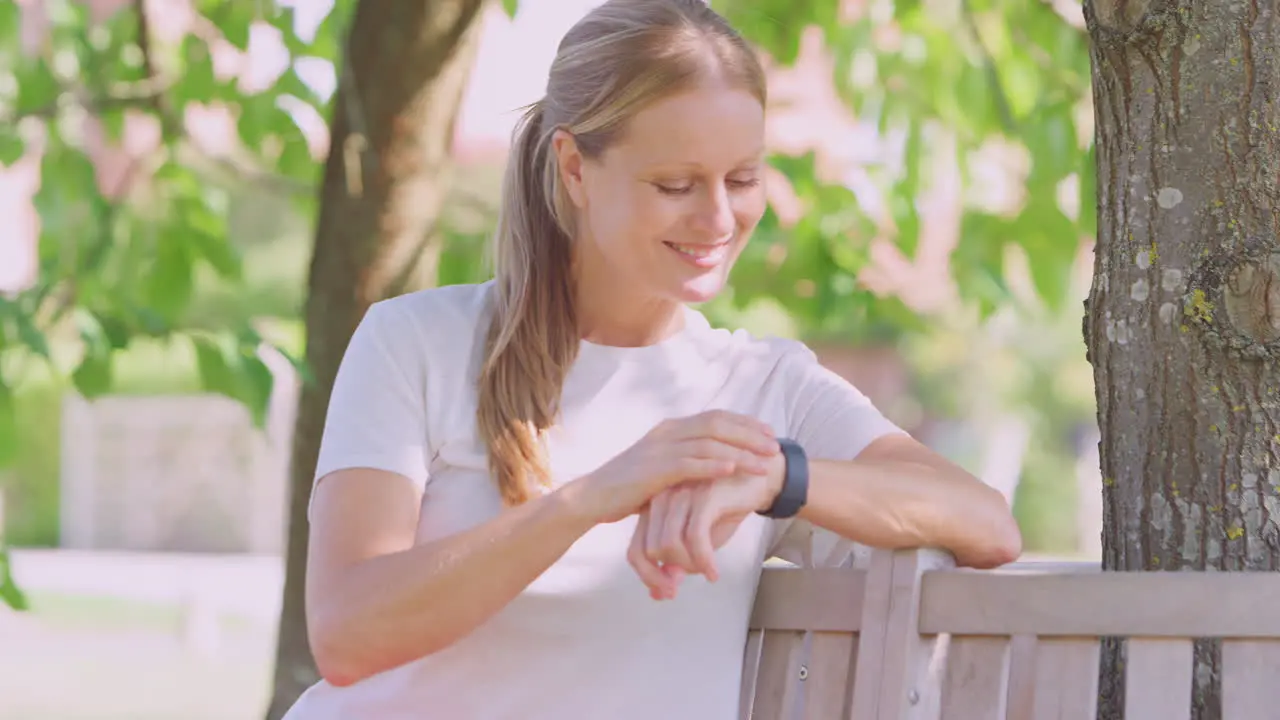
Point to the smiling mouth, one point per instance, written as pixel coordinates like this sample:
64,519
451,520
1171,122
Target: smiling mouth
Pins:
697,250
703,257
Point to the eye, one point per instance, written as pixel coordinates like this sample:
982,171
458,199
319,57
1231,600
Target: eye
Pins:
743,184
673,189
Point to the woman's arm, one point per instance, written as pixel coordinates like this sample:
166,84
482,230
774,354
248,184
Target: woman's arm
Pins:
897,493
869,482
375,601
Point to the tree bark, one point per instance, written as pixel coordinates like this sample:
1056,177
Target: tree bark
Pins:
384,184
1183,319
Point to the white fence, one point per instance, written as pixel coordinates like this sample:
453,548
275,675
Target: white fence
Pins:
186,473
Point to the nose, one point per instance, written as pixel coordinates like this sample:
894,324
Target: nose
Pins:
715,217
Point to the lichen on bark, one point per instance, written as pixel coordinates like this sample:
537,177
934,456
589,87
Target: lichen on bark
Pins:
1183,320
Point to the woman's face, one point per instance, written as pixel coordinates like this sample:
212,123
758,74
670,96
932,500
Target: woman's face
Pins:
665,211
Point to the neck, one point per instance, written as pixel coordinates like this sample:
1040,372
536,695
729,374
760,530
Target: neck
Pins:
612,313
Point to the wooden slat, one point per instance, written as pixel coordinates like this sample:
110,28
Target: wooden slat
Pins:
1250,679
778,680
750,673
873,638
819,599
1022,676
1066,679
976,683
1158,679
898,674
1149,604
831,667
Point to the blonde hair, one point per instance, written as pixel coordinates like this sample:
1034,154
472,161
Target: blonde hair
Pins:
621,57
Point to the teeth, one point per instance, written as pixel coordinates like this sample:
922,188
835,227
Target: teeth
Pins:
698,251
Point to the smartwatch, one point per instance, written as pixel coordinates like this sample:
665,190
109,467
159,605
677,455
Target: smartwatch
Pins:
795,482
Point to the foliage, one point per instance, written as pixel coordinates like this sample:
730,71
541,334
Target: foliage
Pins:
119,261
122,261
962,78
938,77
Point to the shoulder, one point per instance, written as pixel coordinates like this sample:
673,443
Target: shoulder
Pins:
435,311
782,360
428,324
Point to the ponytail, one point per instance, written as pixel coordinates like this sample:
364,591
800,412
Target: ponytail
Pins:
533,336
619,58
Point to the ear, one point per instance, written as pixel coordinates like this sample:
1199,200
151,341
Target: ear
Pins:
569,162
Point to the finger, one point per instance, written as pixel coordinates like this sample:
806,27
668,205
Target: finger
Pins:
697,534
724,528
740,460
682,465
671,551
650,574
732,428
743,418
659,510
653,528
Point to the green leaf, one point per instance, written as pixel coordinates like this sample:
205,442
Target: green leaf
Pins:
113,123
207,233
31,336
511,6
216,374
10,23
295,157
93,376
299,364
256,385
12,146
10,593
38,89
778,25
1051,242
235,21
169,285
259,117
116,331
8,425
1051,138
978,261
903,200
197,82
233,369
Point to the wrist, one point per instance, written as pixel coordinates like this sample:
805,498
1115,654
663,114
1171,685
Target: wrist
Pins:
573,504
789,481
773,479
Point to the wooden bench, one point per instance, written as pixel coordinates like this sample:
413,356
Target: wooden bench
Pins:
912,637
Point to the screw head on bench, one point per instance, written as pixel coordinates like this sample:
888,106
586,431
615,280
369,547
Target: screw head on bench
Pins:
804,672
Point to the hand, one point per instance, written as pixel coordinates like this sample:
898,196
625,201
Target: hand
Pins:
714,444
682,528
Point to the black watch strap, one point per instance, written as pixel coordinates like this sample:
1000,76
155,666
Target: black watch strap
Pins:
795,482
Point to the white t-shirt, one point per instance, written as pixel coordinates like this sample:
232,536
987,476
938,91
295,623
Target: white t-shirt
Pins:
584,641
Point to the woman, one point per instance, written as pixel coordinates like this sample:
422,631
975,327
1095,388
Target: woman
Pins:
507,467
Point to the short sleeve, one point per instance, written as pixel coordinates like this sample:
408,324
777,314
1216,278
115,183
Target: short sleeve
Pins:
377,411
828,416
832,420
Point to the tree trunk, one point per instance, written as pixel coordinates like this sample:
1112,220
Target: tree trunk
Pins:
384,184
1183,318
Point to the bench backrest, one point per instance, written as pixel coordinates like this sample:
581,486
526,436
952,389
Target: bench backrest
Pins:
910,637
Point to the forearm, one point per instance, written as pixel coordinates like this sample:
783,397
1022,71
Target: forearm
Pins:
394,608
903,504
